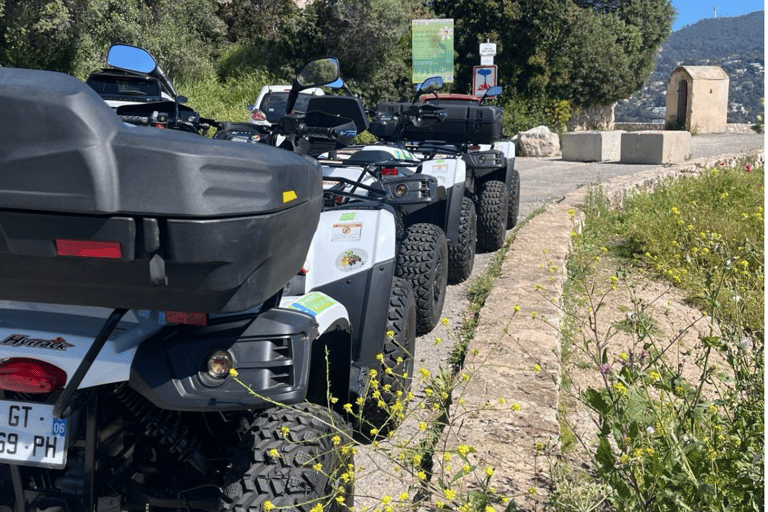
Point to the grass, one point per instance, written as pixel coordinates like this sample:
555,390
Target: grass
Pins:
667,441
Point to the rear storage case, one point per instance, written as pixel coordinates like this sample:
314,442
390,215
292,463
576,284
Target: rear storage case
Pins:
465,123
96,212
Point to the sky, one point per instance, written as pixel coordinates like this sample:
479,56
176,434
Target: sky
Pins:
691,11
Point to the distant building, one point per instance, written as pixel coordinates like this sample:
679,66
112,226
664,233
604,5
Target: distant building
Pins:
697,98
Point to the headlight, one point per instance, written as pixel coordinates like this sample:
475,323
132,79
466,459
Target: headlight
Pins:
219,364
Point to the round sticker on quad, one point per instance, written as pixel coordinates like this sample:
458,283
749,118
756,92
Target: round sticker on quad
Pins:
351,259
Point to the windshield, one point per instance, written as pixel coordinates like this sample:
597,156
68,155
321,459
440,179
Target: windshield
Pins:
273,105
120,86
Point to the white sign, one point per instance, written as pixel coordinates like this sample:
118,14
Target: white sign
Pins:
488,49
483,78
486,60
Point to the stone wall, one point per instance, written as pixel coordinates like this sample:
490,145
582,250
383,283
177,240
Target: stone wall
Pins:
594,118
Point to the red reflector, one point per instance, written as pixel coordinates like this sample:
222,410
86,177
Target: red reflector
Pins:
25,375
159,125
186,318
88,248
258,115
389,171
474,147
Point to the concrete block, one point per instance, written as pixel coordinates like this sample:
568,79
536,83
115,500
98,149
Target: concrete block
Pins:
655,147
591,146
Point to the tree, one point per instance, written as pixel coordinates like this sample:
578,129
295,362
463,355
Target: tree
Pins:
72,36
585,51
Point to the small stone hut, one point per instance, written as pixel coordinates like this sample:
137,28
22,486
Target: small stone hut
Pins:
697,98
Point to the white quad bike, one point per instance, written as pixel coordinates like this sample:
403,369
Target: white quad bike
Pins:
436,225
470,131
158,350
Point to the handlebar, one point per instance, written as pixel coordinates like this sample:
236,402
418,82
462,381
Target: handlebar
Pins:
138,120
314,131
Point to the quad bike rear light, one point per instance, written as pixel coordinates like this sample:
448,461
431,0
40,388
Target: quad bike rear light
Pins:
88,248
26,375
389,171
186,318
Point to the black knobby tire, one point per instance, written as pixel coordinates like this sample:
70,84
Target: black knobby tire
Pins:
514,200
422,260
396,369
461,254
492,207
288,480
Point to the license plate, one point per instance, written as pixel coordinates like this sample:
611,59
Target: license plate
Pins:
31,436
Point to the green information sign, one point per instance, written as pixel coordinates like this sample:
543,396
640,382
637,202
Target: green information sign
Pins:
432,42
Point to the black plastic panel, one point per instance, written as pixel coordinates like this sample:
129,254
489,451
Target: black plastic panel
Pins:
63,149
225,225
271,353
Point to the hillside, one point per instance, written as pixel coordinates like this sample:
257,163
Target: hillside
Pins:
736,44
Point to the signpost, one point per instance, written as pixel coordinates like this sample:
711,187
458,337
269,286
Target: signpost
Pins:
483,78
432,43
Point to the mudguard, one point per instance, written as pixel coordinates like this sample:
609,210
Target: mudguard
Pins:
451,173
508,148
61,335
352,259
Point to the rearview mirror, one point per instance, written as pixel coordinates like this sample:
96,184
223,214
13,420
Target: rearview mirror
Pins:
319,72
131,58
432,84
492,92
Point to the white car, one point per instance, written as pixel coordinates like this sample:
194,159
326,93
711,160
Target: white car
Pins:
270,105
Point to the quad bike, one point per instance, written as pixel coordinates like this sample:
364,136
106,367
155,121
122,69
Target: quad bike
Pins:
470,131
158,350
136,87
436,228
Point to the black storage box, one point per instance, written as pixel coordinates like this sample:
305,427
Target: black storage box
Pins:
465,123
96,212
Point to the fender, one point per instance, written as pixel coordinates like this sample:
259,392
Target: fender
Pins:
352,259
61,335
452,174
508,148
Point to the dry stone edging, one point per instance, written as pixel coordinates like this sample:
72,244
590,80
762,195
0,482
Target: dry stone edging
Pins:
507,346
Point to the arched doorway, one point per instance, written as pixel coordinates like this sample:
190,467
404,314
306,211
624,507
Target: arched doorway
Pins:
682,102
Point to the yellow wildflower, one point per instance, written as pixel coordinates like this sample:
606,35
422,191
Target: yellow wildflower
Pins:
268,506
